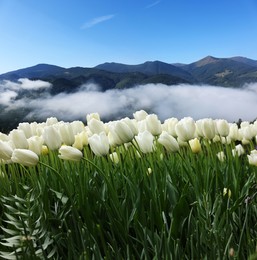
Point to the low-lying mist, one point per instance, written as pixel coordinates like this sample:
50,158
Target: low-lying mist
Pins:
165,101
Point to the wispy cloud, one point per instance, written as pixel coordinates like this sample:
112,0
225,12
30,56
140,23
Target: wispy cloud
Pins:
153,4
97,20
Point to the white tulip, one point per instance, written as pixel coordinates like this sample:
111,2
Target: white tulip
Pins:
252,158
6,150
145,141
19,139
186,129
93,115
168,141
52,138
169,126
195,145
153,124
99,144
140,115
35,144
96,126
66,133
69,153
222,127
24,157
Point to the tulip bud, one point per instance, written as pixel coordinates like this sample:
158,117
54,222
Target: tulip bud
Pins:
123,131
140,115
96,126
222,127
70,153
81,139
99,144
239,150
153,124
24,157
44,150
93,115
169,126
51,121
227,191
66,133
195,145
19,139
114,157
252,158
35,144
221,156
52,138
208,128
77,127
25,127
145,141
169,142
185,129
5,150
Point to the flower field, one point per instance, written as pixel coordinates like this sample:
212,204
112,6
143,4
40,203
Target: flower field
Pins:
129,189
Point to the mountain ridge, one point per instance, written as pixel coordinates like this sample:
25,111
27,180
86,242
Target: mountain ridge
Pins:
227,72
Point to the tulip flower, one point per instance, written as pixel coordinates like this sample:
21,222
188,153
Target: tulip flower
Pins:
233,132
222,127
52,138
208,128
168,141
69,153
96,126
186,129
24,157
66,134
252,158
81,140
93,115
227,191
221,156
26,128
5,150
35,144
239,150
123,131
99,144
132,124
114,157
153,124
51,121
145,141
140,115
169,126
77,127
195,145
19,139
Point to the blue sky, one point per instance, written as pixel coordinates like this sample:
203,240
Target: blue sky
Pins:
89,32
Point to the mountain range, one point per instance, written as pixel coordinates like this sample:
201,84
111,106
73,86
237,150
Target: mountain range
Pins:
226,72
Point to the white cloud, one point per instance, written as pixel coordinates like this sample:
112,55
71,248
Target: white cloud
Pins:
97,20
166,101
33,84
6,97
153,4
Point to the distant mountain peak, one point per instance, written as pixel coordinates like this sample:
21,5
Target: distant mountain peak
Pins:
207,60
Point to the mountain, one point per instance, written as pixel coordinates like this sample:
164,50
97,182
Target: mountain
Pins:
227,72
148,68
37,71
